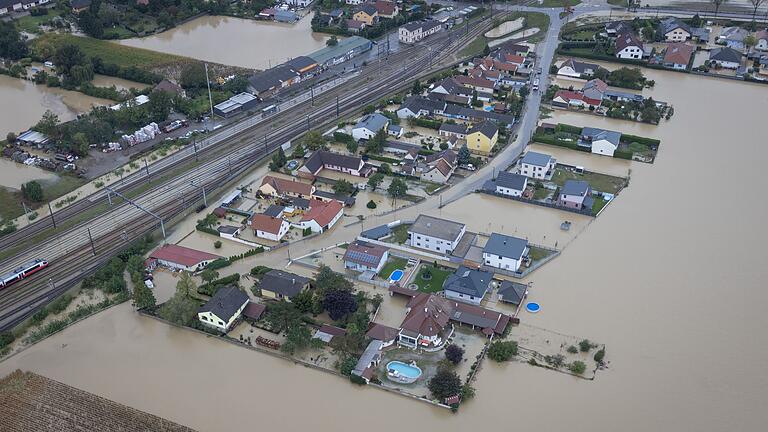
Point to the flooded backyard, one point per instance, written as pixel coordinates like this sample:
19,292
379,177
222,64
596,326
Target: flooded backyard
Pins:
684,341
13,174
236,41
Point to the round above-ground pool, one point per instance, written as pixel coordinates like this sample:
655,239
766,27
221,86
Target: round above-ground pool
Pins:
532,307
396,276
403,373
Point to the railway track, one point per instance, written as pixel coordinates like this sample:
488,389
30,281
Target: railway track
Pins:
116,229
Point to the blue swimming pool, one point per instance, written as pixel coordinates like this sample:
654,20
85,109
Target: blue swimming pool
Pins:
532,307
403,372
396,276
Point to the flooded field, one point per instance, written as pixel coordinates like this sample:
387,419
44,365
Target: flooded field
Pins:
119,83
670,278
13,175
236,41
30,101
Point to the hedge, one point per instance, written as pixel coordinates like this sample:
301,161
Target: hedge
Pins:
250,252
343,137
259,270
549,139
211,288
384,159
218,264
430,124
640,140
562,127
623,154
205,229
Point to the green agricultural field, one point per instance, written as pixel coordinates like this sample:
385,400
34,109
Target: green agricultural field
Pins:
111,52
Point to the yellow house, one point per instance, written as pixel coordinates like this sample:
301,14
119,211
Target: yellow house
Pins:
367,14
482,137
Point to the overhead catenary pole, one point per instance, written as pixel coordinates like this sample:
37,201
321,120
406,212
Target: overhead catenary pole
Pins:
90,237
53,220
202,187
210,99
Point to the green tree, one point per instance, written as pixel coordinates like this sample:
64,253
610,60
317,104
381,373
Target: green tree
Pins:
193,76
12,46
282,315
159,105
502,351
180,309
298,151
600,356
352,146
463,156
236,85
314,141
90,23
578,367
585,345
371,204
375,180
375,145
209,275
32,191
143,296
304,301
749,41
454,353
48,124
416,89
339,303
80,143
10,138
68,56
343,187
332,41
398,188
444,384
297,338
384,169
329,280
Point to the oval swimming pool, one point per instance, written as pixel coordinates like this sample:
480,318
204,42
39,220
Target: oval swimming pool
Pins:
403,372
396,275
532,307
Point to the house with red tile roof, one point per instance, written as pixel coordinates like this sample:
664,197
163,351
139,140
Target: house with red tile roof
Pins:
386,9
181,258
678,55
280,187
322,215
268,227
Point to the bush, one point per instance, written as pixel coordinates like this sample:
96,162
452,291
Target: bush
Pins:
217,244
502,351
357,380
218,264
347,365
61,303
585,345
371,205
306,232
259,270
210,289
622,154
599,356
572,349
454,353
6,338
578,367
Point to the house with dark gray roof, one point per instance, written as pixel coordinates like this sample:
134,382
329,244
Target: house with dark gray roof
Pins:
282,285
435,234
537,165
511,184
270,81
576,194
512,292
322,159
455,129
505,252
600,141
363,256
674,30
577,69
223,309
369,125
377,233
467,285
726,57
417,106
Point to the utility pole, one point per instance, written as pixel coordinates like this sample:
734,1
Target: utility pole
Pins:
109,197
202,187
146,167
307,122
26,210
194,144
53,220
229,164
312,94
337,107
129,201
93,247
210,99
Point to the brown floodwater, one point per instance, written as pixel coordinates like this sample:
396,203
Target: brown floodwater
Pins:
26,103
671,278
236,41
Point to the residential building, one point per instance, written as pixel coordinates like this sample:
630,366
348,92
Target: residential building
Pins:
322,159
615,28
600,141
733,37
8,6
78,5
367,127
385,334
439,167
223,309
577,69
395,130
285,16
229,231
762,40
268,227
280,187
299,3
675,30
505,252
355,26
576,194
537,165
449,86
725,57
482,137
512,292
353,2
368,361
363,256
406,151
628,46
511,184
322,215
457,112
594,91
417,106
326,333
281,285
479,84
387,9
345,50
435,234
678,55
182,258
467,285
569,98
170,87
367,13
457,130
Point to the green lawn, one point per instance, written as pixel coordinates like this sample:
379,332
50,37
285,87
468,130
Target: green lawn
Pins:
537,254
622,3
600,182
30,23
111,52
600,202
557,3
474,48
642,149
10,204
432,187
436,283
393,263
400,234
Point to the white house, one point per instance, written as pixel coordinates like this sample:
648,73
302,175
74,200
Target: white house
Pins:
511,184
416,31
537,165
505,252
299,3
322,215
467,285
353,2
363,256
268,227
576,69
368,126
726,57
601,141
435,234
674,30
8,6
182,258
223,309
628,46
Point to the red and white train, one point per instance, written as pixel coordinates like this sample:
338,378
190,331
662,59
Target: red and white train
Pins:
22,272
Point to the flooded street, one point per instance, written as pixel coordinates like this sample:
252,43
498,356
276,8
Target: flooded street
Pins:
236,41
30,101
670,277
